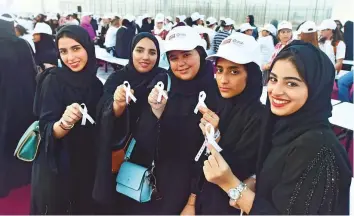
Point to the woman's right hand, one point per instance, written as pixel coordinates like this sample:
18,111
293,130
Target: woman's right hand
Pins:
157,107
119,103
72,114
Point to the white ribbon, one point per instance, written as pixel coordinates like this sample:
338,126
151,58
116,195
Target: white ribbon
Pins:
210,137
85,115
201,99
160,86
128,94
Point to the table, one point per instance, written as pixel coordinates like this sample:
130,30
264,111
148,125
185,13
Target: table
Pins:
348,62
343,115
335,102
103,55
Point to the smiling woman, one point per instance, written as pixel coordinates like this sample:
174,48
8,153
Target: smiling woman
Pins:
63,172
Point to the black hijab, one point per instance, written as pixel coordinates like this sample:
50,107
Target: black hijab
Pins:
146,26
240,107
46,51
318,73
84,78
251,18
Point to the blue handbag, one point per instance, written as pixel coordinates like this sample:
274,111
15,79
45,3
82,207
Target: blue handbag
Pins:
133,180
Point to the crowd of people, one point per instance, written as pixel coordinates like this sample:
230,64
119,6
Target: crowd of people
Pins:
196,138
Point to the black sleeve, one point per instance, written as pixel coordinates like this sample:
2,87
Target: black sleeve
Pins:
308,185
51,110
243,158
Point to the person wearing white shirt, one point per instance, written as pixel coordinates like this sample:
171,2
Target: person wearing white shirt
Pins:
111,35
267,42
210,30
23,33
331,43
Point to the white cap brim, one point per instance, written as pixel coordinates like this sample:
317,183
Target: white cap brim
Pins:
237,58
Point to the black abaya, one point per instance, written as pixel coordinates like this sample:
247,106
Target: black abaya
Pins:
17,88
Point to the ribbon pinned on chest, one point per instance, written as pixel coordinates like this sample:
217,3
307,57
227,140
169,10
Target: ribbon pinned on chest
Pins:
128,94
201,99
160,86
85,115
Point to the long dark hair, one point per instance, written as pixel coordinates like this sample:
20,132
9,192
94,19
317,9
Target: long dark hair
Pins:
275,39
337,36
21,30
251,17
189,21
207,39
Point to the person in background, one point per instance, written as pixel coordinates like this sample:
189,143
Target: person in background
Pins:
40,18
308,33
64,170
86,24
63,20
250,20
124,36
23,33
17,89
189,21
94,23
146,24
267,42
247,29
348,40
345,84
274,22
339,26
72,20
302,168
221,35
210,30
111,35
196,19
285,37
76,17
168,23
331,43
221,25
46,51
159,29
53,23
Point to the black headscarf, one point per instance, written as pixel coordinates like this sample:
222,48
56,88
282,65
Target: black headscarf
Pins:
240,106
84,78
46,51
7,30
348,40
318,73
146,26
251,17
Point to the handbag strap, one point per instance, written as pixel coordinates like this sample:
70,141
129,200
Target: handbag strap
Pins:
168,82
130,149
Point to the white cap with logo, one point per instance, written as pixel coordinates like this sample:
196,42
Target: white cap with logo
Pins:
238,48
182,38
308,27
42,28
285,25
246,26
328,24
270,28
159,18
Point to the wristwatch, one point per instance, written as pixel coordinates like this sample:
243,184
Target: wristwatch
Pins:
236,193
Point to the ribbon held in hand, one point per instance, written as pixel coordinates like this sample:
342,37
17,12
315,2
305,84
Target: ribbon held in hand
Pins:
201,99
210,136
85,115
128,94
160,86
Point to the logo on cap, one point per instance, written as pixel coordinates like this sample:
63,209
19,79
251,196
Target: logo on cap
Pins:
177,35
235,41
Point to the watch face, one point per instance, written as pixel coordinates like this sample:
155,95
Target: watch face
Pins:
234,194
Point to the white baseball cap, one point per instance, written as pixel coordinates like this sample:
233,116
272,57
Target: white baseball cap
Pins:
202,17
182,38
285,25
159,18
328,24
146,16
229,21
269,27
246,26
222,18
211,21
238,48
308,27
42,28
8,19
195,16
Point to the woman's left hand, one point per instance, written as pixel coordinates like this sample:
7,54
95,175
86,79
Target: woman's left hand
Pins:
217,171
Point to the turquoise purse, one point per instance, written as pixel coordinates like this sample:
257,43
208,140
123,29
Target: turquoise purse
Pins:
133,180
27,147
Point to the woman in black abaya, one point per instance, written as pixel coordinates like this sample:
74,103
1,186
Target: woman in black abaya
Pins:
17,88
63,172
